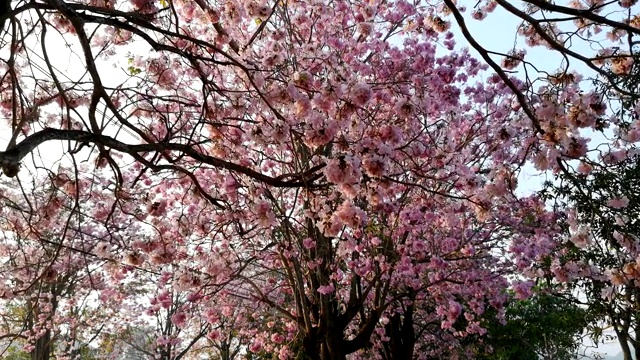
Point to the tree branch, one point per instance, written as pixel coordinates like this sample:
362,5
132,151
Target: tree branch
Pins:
11,158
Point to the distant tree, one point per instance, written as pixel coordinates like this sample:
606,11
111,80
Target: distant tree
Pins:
600,195
600,259
543,326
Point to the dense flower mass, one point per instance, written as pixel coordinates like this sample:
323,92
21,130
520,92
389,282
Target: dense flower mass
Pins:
286,179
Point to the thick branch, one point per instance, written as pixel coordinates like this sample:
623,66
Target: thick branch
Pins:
588,14
483,52
535,23
12,157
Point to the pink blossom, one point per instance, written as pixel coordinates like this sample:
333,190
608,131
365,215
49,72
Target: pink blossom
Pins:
326,289
321,135
474,327
374,165
618,203
632,136
368,12
143,4
265,214
608,293
277,338
334,172
103,249
614,157
582,237
164,298
584,168
627,3
179,319
194,296
365,28
478,14
231,186
350,215
455,309
361,94
308,243
134,258
164,340
213,335
157,208
523,289
615,276
256,346
303,79
622,65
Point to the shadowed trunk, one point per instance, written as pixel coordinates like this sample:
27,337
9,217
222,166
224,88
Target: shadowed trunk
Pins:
401,334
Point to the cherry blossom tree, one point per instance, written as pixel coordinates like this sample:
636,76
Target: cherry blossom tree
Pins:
330,179
47,282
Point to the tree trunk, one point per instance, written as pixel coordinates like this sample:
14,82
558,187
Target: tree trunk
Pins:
624,344
334,346
401,336
327,346
225,351
42,346
42,350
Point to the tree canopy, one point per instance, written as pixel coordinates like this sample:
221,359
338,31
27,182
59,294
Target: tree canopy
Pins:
296,179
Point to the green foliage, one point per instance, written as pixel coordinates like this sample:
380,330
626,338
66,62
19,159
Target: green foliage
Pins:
544,326
588,195
132,69
14,353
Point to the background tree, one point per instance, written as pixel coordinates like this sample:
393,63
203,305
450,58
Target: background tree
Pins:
544,326
599,195
601,247
47,282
